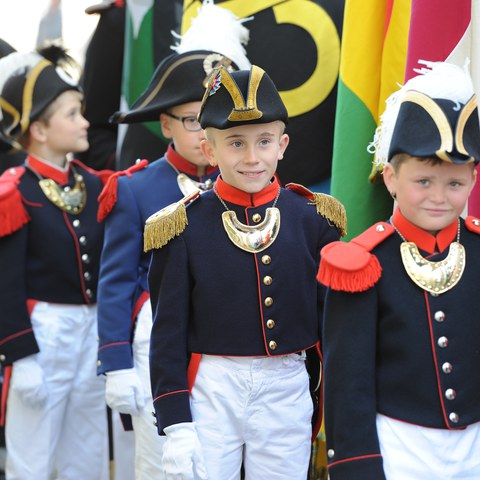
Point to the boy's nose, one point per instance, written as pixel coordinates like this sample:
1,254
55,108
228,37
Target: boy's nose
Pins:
250,156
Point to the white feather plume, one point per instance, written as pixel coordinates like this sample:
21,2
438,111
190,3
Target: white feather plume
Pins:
14,62
217,29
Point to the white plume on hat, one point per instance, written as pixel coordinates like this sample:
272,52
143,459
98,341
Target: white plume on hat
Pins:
15,62
435,79
219,30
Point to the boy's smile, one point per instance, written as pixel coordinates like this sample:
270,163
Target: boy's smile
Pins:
247,155
430,195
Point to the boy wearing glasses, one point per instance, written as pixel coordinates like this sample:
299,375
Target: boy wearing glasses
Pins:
125,318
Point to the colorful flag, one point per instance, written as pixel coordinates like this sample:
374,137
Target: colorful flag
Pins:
374,48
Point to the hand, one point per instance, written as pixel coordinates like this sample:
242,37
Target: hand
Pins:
29,382
124,391
182,456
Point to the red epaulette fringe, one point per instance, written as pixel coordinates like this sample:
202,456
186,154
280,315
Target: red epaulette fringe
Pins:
108,197
350,280
13,214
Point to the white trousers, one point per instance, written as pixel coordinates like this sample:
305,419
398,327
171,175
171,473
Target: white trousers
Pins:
148,443
255,410
67,439
412,452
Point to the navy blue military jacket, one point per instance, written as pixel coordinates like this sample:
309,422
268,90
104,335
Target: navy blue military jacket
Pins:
53,257
211,297
124,265
398,350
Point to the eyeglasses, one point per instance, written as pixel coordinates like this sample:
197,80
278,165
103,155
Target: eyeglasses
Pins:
190,123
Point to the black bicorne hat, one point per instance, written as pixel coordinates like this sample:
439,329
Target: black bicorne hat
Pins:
239,98
178,79
437,127
28,91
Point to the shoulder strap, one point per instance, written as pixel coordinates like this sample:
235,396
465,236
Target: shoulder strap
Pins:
108,196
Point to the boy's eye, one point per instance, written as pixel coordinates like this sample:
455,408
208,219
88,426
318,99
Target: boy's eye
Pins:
190,120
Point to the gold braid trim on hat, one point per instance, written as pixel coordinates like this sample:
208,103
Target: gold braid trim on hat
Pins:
331,209
9,108
465,114
243,111
27,100
166,224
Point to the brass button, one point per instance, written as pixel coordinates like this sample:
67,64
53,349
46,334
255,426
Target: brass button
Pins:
379,228
439,316
331,453
83,240
2,357
447,367
268,302
476,222
270,323
256,217
87,276
86,258
266,259
89,293
99,363
272,344
267,280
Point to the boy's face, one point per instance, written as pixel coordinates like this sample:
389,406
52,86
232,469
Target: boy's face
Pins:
247,155
66,129
186,143
431,196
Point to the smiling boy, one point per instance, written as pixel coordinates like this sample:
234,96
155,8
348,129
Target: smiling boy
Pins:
236,290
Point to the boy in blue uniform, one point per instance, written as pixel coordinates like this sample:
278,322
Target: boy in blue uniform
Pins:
50,243
125,317
402,393
234,293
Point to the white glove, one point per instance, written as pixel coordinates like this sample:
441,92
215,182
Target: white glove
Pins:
182,457
124,391
29,382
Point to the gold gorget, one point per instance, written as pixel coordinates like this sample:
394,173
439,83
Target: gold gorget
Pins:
69,199
434,277
255,238
188,186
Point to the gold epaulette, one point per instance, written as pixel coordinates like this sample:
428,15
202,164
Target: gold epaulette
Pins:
327,206
167,223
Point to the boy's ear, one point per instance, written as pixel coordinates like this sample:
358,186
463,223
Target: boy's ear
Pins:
37,131
208,152
165,125
284,141
389,178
